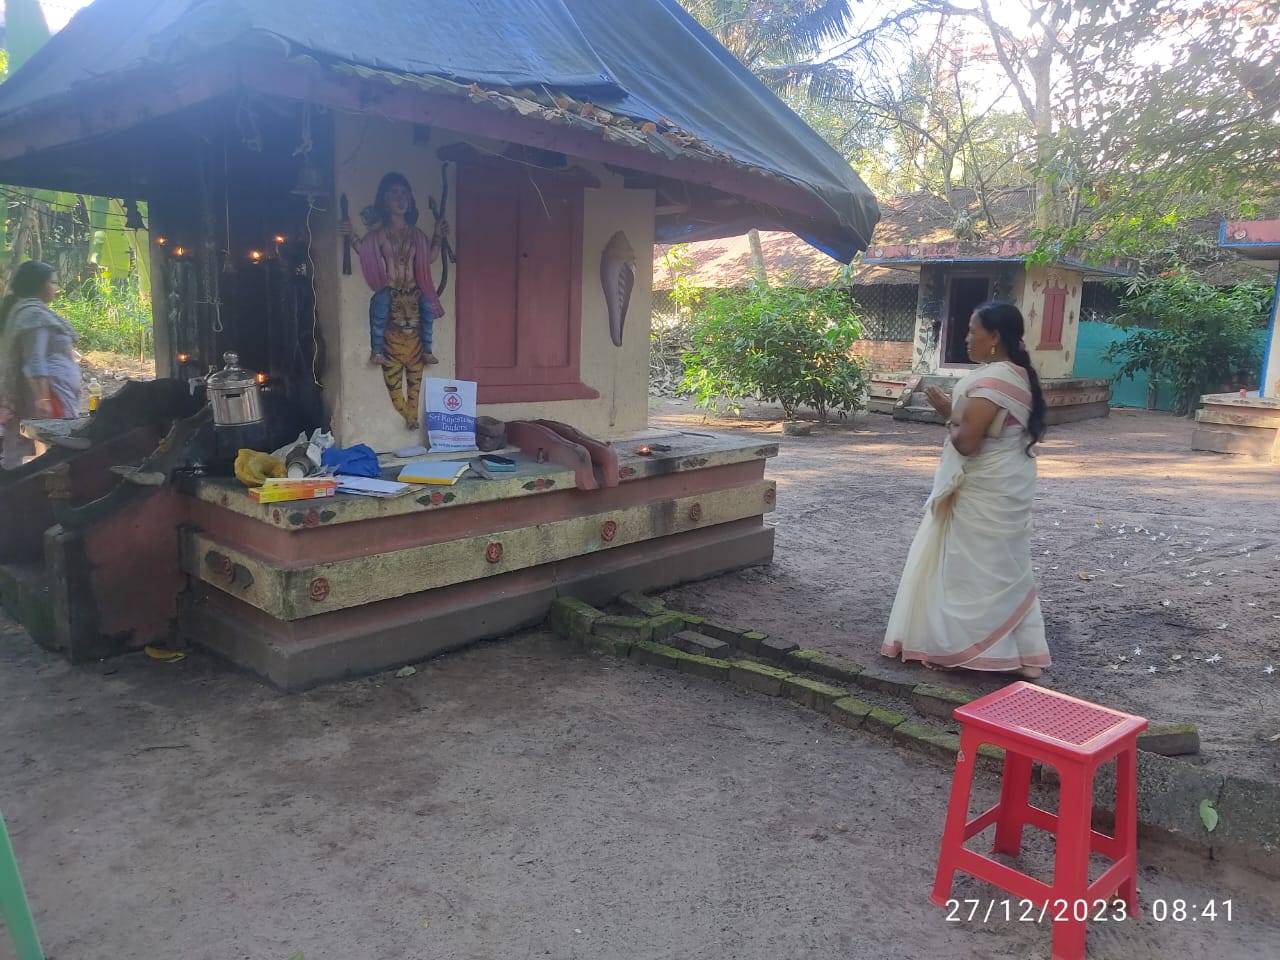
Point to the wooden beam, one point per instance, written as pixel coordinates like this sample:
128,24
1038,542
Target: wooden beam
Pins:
405,103
100,110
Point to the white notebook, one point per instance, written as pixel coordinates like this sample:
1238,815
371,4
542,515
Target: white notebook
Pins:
369,487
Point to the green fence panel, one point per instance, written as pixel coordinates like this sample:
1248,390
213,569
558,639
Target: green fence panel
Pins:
1091,346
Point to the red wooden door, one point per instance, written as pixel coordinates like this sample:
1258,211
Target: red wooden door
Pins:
519,284
1055,308
487,296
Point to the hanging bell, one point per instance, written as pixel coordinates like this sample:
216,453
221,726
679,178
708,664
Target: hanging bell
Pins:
309,184
133,217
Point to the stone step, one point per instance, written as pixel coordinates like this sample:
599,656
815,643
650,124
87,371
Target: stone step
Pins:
24,594
691,641
1242,441
919,413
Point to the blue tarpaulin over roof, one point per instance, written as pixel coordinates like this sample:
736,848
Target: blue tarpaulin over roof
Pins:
646,59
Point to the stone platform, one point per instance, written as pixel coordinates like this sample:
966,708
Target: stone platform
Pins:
305,592
1068,399
1248,426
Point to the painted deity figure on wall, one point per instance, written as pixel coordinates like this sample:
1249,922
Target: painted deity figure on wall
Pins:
395,258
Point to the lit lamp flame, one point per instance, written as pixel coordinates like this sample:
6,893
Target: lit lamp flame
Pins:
255,256
161,241
280,238
261,378
645,451
184,358
179,251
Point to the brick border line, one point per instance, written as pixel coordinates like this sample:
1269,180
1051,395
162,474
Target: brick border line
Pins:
1169,790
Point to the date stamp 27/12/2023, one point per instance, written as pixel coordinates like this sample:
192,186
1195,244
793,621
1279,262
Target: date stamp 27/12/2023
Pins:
1097,911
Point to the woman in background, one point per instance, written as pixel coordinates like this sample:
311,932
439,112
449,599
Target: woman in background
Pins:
39,368
968,597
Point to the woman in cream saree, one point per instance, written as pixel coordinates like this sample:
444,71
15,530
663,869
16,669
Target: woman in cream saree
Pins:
968,597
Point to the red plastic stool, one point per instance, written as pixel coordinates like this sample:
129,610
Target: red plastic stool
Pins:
1075,737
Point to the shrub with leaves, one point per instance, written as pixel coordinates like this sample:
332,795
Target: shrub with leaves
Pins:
110,316
784,345
1194,336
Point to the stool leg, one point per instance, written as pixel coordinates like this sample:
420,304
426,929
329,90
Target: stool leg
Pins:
957,817
14,909
1071,863
1127,824
1015,789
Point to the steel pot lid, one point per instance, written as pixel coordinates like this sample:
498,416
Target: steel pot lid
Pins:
232,376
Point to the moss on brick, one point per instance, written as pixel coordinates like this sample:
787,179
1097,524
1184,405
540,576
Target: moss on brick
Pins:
758,677
849,712
704,667
994,754
571,618
883,721
773,648
727,633
665,625
692,619
657,654
824,664
699,644
883,682
615,646
642,606
813,694
623,628
934,700
927,740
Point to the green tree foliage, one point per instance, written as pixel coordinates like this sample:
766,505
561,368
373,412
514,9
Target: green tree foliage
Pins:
771,36
1193,335
81,236
110,316
1179,117
784,345
25,30
774,39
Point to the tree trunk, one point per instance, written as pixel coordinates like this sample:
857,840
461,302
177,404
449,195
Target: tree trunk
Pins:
757,257
1045,188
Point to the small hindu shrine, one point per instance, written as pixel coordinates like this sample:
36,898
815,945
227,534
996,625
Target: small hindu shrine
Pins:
958,275
349,207
1248,422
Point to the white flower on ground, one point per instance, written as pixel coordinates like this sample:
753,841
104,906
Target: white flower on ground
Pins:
1216,658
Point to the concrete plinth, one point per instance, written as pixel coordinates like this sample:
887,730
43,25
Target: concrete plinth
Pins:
1246,426
308,592
299,655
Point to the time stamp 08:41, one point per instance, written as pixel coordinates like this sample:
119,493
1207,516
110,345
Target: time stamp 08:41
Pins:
1059,911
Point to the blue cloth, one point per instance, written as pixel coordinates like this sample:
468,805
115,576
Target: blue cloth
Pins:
380,316
357,461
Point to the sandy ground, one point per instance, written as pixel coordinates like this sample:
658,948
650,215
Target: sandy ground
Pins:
515,801
114,370
1183,550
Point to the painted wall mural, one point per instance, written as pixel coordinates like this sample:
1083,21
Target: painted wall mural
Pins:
618,277
929,317
395,258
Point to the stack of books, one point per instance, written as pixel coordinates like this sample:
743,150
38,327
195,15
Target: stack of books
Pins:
276,490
